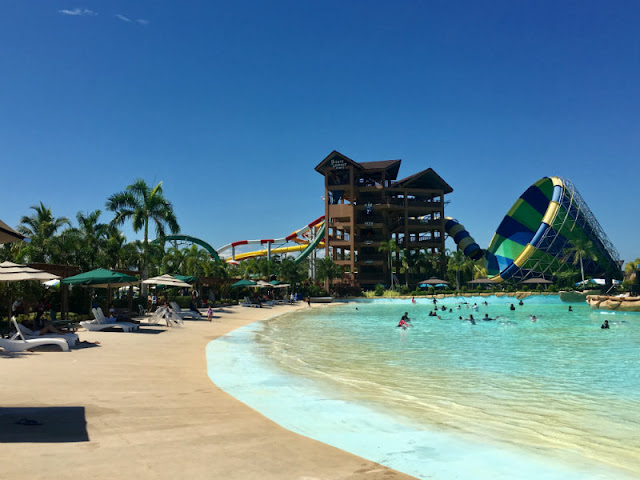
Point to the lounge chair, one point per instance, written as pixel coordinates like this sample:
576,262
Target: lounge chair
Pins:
163,313
184,313
248,303
142,310
25,333
102,323
22,344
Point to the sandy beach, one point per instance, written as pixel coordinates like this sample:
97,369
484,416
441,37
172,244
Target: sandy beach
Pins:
142,405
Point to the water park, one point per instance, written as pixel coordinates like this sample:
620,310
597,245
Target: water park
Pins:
515,356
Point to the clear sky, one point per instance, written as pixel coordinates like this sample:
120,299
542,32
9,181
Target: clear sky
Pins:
232,105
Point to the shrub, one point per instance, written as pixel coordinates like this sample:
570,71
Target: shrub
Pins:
379,290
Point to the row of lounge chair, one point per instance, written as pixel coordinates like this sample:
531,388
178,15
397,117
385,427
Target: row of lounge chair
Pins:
25,338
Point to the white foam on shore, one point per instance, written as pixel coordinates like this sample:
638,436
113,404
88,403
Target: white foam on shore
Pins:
236,364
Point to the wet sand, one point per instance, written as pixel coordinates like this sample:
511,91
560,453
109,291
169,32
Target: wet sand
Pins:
142,405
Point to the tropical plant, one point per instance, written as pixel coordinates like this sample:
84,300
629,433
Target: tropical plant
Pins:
40,227
578,251
390,247
409,261
143,205
292,273
458,263
327,268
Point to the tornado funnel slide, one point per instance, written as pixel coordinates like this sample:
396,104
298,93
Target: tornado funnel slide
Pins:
546,221
463,240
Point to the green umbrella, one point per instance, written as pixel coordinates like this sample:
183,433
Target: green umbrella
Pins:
100,278
186,278
276,282
244,283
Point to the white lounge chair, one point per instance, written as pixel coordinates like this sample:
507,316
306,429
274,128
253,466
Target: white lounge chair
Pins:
163,313
248,303
142,310
25,333
102,323
21,344
184,313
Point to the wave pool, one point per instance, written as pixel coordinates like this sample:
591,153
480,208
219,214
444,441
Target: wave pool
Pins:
558,398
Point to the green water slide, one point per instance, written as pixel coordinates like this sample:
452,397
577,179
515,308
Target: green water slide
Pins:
312,245
197,241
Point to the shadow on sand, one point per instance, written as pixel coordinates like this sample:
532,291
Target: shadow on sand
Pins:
43,425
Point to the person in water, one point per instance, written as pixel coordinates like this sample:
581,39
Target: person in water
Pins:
533,318
403,323
471,320
406,318
413,300
605,324
486,318
520,303
512,307
570,308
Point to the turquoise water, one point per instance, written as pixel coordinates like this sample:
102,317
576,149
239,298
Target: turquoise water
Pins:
555,398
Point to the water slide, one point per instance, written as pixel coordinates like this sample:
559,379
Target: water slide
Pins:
299,236
532,240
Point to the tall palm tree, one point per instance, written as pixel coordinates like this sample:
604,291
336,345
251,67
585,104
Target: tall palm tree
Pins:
457,263
327,268
143,205
94,238
40,227
389,247
408,263
579,250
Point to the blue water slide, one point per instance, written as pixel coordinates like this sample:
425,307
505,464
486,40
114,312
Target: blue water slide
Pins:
464,241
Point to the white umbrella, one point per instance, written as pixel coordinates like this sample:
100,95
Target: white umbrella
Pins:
261,284
166,280
13,272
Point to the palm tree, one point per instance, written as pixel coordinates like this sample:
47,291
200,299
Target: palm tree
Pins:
40,227
326,268
408,263
291,272
390,247
94,239
173,261
579,250
143,205
457,263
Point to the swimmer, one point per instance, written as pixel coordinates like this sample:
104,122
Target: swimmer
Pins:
413,300
459,318
444,309
605,324
486,318
406,318
403,324
475,306
570,308
533,318
512,307
450,311
458,307
485,302
439,317
471,320
520,303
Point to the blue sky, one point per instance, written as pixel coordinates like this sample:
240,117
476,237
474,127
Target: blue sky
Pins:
232,104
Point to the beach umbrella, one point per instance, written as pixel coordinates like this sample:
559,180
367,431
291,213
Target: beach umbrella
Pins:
244,283
8,234
537,280
431,282
187,278
100,278
166,281
14,272
261,284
